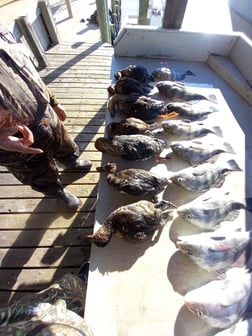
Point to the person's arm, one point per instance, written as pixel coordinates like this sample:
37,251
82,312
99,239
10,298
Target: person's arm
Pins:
11,143
58,108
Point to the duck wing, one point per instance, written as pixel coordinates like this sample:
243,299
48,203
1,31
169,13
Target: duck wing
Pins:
138,181
138,147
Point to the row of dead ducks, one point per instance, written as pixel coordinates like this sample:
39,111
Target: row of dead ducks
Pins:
134,139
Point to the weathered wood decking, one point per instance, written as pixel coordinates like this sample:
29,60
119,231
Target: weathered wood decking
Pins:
39,239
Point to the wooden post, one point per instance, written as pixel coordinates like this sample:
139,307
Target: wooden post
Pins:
143,12
103,18
49,21
33,42
69,8
174,13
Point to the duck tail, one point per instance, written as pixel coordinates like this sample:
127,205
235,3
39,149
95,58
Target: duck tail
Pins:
212,98
217,130
156,127
232,165
228,148
189,73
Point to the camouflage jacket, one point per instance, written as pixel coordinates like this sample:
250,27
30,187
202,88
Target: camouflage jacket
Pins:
23,96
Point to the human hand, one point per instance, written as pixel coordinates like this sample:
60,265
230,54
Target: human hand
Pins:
12,143
60,111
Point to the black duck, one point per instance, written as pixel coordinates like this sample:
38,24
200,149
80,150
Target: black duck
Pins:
136,105
136,222
132,126
134,181
137,72
127,85
135,147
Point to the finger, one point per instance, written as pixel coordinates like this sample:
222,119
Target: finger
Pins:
34,150
27,133
25,149
7,131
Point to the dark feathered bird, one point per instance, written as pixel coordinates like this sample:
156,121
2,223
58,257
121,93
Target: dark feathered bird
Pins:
136,222
135,105
132,126
135,182
137,72
135,147
127,85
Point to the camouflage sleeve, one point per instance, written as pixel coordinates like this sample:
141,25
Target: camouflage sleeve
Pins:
53,99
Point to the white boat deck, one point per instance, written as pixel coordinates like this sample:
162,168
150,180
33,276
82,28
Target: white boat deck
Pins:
138,289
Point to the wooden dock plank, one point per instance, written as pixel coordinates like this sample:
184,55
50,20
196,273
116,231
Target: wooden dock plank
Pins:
40,240
44,237
45,257
84,219
31,279
48,205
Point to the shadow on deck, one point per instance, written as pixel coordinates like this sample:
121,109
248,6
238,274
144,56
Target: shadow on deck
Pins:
40,240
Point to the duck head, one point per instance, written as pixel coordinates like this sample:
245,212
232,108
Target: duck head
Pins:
106,146
103,235
109,167
112,128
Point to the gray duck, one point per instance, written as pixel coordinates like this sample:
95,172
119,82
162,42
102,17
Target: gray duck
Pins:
179,92
134,147
136,222
132,126
135,182
163,73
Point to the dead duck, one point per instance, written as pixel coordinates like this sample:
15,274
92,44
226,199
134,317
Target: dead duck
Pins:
188,130
164,73
127,85
192,110
134,147
136,222
136,105
180,93
132,126
137,72
135,182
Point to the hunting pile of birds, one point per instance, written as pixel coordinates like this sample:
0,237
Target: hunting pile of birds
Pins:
225,302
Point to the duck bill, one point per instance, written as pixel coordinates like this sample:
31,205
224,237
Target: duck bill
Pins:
169,115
